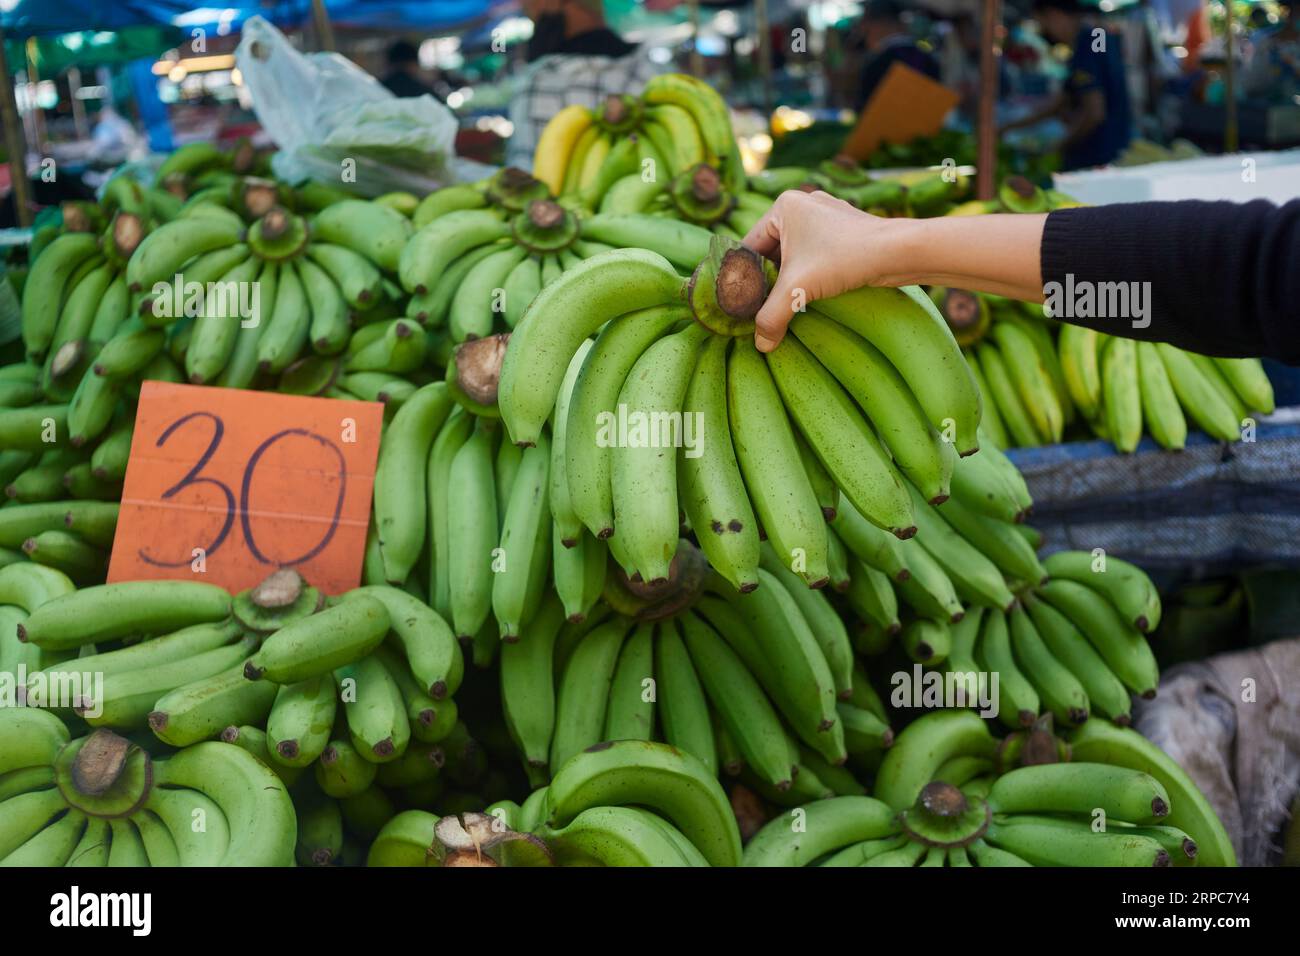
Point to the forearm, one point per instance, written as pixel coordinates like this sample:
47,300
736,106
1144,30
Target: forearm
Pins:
1212,277
997,254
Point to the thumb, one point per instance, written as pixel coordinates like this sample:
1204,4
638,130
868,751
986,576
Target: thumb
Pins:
775,315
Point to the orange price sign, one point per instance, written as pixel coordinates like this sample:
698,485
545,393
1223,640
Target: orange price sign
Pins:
226,486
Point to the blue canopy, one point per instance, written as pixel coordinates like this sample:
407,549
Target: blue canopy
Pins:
44,17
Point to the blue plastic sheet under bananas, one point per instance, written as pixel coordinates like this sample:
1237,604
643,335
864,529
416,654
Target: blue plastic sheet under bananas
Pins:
1213,506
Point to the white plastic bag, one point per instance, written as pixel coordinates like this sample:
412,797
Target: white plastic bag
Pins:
338,125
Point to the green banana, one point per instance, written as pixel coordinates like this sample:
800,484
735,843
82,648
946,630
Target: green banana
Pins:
431,650
525,542
319,643
111,611
528,685
1121,393
1082,788
1122,646
579,573
1049,841
46,283
256,805
359,281
369,228
1059,690
907,328
567,523
1018,702
919,451
584,692
403,457
472,531
455,432
769,460
1125,585
825,623
1160,409
813,831
588,461
1106,694
629,715
644,476
841,438
683,708
127,697
374,708
1198,395
1006,397
923,747
203,709
1190,811
621,836
739,701
434,247
298,726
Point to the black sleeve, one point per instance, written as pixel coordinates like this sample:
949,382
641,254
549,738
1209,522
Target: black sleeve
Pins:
1219,278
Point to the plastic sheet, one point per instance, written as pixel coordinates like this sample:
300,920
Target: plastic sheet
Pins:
337,124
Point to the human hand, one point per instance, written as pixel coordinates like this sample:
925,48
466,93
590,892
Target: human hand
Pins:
823,245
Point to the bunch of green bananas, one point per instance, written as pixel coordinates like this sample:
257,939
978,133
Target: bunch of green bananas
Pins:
472,512
916,194
761,685
1065,635
939,801
677,123
100,800
676,350
1120,386
969,550
697,195
474,269
1038,377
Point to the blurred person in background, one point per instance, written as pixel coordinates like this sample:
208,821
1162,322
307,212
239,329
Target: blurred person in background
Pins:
403,77
888,42
573,57
1094,102
1273,73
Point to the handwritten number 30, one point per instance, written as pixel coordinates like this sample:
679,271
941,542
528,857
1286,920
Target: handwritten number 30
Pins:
193,477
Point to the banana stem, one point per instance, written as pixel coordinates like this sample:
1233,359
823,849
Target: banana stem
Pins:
727,289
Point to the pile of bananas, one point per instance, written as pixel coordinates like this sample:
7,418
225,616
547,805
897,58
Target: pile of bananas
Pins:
592,487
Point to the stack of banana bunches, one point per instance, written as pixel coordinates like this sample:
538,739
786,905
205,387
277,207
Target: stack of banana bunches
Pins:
633,591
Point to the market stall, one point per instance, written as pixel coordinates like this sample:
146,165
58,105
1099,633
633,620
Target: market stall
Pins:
396,511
